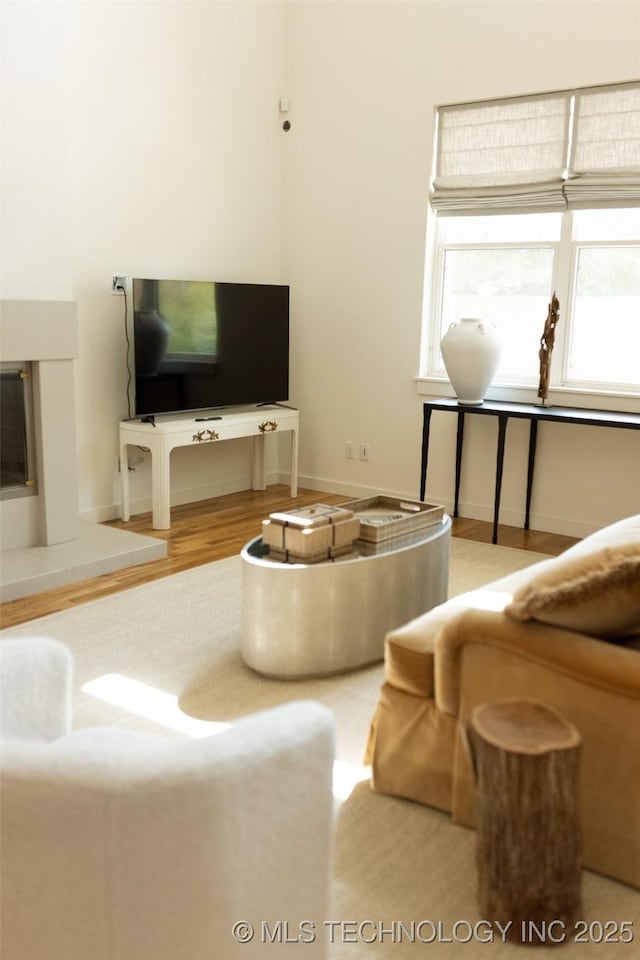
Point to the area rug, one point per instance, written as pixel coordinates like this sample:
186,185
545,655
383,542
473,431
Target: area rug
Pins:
404,875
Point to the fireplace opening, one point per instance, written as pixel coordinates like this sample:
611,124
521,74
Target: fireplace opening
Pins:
17,460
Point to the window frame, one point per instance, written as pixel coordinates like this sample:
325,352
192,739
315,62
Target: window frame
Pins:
432,379
567,381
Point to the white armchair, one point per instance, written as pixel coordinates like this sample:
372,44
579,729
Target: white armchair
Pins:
117,845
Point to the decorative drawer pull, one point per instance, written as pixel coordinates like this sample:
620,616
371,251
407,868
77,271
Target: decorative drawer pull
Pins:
203,436
268,426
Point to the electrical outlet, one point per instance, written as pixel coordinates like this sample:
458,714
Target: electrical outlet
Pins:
365,451
118,283
350,450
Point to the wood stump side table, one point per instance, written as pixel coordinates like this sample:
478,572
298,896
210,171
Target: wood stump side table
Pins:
526,764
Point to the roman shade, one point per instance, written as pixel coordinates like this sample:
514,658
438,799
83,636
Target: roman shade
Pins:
573,148
604,169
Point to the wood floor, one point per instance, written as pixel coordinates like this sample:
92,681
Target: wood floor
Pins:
214,529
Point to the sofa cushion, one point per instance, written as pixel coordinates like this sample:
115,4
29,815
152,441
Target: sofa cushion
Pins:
597,593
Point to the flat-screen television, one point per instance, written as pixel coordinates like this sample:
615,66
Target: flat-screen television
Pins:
200,345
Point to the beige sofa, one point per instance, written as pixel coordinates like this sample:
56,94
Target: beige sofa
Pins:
565,631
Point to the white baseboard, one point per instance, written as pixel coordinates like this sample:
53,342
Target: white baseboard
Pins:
113,511
357,491
515,518
473,511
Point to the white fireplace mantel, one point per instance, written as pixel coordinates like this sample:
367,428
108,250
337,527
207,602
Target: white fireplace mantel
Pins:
55,547
45,334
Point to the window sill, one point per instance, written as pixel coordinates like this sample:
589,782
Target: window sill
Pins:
432,386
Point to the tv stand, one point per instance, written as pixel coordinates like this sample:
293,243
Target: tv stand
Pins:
165,433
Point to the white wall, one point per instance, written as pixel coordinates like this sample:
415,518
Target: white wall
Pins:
144,138
364,79
35,259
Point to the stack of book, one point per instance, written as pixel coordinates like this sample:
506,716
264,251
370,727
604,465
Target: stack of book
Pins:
311,534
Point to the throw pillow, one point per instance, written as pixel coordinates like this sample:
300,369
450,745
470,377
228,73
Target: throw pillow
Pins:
597,594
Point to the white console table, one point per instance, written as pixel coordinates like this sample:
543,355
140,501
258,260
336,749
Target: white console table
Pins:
214,426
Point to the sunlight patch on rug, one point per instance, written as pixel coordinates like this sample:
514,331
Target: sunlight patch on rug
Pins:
346,776
149,702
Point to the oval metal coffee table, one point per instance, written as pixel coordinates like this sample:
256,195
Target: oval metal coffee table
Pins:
308,620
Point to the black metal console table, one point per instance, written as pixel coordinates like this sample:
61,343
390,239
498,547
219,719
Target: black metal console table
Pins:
503,411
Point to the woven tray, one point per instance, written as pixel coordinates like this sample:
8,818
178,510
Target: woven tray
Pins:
384,517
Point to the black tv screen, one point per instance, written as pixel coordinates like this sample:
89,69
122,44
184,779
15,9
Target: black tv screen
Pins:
200,345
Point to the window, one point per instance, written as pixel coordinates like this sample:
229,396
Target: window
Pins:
604,342
504,269
538,188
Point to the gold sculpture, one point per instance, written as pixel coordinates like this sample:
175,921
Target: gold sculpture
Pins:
546,347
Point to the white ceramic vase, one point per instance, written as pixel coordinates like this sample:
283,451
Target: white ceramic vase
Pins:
471,352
